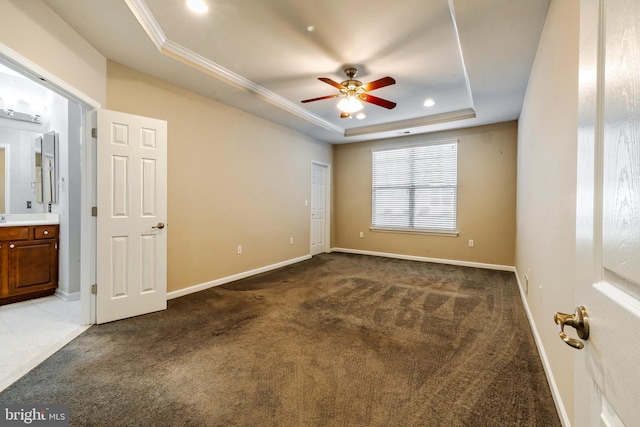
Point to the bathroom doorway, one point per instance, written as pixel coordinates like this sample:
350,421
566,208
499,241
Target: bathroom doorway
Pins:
38,328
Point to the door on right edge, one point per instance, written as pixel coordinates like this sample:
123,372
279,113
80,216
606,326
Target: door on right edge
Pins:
607,372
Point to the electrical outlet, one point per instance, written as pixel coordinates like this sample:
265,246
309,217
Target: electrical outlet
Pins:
239,250
470,243
361,234
291,240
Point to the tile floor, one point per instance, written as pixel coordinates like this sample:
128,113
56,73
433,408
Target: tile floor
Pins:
31,331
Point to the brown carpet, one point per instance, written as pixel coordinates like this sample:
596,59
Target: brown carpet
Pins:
339,340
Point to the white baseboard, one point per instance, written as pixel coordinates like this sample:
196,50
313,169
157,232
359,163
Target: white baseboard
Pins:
232,278
425,259
560,408
67,296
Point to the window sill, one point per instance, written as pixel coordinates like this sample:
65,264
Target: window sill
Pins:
415,231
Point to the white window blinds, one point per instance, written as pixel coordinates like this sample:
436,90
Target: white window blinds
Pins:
415,188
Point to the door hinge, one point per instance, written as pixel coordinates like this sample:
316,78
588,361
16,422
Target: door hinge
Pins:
94,132
94,289
94,211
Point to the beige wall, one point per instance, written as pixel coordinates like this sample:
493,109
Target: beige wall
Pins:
234,179
33,30
486,198
546,211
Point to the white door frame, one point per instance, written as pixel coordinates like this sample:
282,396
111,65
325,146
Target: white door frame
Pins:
88,177
327,205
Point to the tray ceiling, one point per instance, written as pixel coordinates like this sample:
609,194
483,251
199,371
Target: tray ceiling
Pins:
471,57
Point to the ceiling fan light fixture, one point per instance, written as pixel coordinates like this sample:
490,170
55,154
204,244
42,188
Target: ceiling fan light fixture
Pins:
353,91
350,104
198,6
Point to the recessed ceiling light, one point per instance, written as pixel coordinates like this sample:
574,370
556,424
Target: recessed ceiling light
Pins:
429,102
311,28
198,6
361,116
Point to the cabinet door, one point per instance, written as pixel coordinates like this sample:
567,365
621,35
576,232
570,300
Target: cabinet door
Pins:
33,266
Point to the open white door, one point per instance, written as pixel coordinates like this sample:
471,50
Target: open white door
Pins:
318,207
131,265
608,215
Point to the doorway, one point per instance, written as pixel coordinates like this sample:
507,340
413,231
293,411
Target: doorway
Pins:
320,190
71,308
80,156
57,129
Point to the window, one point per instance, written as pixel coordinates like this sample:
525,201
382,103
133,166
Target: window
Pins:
415,188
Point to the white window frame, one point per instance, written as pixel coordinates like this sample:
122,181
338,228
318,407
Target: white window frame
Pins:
411,185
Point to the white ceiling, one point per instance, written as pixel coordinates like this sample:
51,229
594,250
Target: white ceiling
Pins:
472,57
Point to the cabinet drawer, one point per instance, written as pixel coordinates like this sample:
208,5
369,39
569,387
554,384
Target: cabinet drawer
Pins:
14,233
46,232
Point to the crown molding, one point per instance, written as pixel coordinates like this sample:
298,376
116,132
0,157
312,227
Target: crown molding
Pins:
147,21
452,11
450,116
174,50
227,76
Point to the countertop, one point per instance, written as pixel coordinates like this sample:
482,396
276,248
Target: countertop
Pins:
29,219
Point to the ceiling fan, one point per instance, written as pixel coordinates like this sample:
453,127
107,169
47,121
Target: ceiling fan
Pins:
353,91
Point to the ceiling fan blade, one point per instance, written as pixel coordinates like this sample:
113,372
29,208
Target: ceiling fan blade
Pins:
344,115
330,82
322,97
377,101
377,84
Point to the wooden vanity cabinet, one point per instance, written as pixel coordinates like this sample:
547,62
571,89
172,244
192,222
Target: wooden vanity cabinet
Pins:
28,262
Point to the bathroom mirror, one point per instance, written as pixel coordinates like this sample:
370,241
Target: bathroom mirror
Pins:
18,146
3,182
30,170
46,167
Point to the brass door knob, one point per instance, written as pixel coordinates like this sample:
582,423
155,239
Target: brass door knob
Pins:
578,320
159,225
